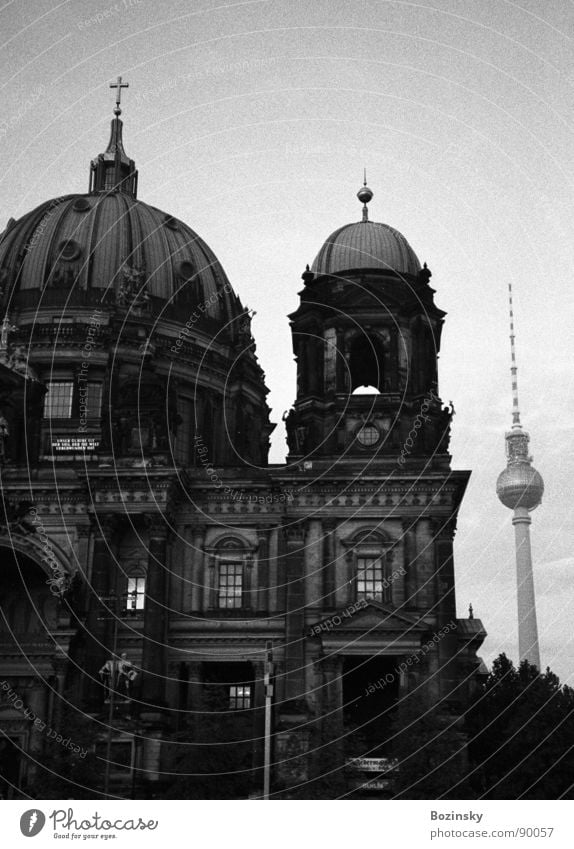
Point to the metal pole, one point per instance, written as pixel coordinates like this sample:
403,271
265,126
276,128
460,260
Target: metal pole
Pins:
112,700
268,696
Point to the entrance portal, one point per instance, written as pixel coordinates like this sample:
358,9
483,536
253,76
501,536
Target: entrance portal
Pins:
370,694
10,767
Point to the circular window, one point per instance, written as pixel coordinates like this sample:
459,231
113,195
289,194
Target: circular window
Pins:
171,222
81,205
368,435
185,269
69,250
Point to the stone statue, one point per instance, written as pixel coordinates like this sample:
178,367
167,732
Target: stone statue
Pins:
118,675
132,292
4,436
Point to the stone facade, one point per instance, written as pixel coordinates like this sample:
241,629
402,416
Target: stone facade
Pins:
141,515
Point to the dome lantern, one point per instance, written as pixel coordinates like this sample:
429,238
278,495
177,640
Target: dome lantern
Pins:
113,170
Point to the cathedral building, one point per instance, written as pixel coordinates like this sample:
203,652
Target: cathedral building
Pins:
154,565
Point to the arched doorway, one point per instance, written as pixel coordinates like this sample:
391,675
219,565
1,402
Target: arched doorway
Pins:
31,626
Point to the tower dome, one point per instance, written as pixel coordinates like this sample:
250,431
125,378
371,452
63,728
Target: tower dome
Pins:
366,244
520,485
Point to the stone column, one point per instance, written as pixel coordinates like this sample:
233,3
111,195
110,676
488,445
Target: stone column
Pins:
329,553
209,589
333,690
38,703
263,569
447,646
443,532
248,576
410,562
426,592
195,689
193,571
155,615
314,567
258,713
294,577
100,610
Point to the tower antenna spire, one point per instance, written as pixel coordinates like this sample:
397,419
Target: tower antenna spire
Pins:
513,366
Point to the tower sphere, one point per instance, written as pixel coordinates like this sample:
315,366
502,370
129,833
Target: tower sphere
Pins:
365,194
520,485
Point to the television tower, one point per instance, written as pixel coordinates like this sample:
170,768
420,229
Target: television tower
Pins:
520,488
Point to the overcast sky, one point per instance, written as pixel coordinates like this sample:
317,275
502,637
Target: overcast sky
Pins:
252,122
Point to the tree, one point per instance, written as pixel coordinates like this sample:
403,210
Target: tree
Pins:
430,746
212,757
323,762
58,771
521,734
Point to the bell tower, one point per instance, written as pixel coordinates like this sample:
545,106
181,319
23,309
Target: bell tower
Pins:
366,338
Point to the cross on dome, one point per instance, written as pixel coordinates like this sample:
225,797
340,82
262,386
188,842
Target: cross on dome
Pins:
118,85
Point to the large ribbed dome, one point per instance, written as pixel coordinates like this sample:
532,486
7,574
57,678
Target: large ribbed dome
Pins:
366,244
71,248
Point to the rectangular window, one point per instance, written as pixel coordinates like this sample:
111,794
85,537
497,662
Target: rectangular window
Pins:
58,400
239,697
136,594
370,579
230,590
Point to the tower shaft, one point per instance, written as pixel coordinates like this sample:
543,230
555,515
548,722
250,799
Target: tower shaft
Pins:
527,627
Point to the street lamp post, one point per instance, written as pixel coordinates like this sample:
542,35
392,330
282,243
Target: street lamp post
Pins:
112,689
268,697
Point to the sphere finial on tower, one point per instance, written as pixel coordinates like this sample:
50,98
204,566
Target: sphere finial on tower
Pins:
519,485
365,195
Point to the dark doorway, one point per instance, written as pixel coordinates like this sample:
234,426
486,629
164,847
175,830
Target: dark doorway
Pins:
10,764
370,694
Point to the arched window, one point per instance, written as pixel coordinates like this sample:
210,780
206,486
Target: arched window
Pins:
369,560
231,564
366,363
